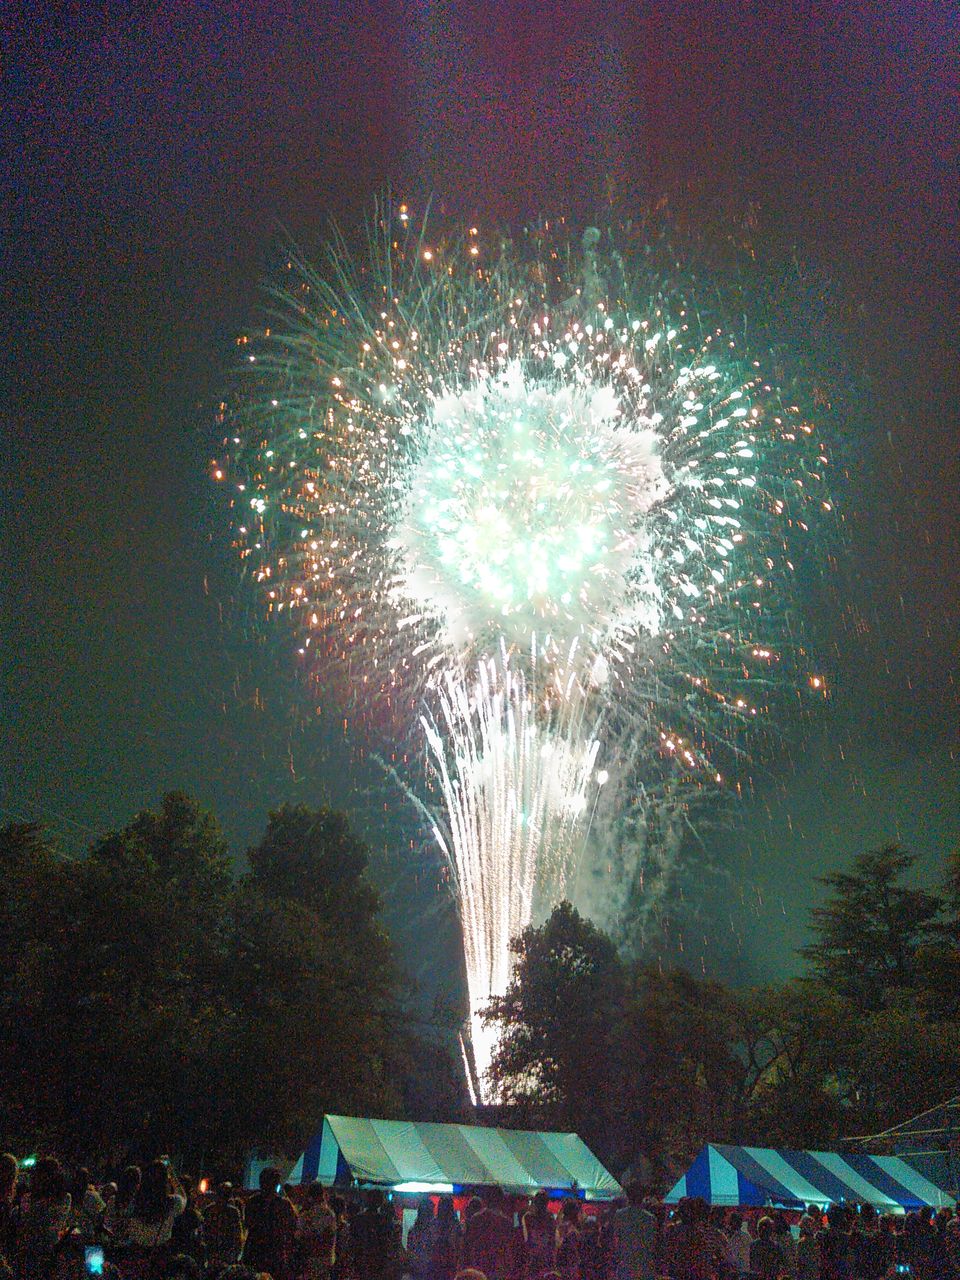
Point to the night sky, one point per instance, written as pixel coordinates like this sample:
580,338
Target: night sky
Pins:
152,156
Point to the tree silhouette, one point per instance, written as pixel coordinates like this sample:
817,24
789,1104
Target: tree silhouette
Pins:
869,934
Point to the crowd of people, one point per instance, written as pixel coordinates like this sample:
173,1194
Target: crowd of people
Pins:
150,1225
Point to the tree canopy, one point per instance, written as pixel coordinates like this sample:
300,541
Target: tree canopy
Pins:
651,1063
157,1001
156,998
871,931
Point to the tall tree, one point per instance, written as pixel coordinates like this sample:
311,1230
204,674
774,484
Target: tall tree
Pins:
34,898
898,1063
555,1019
869,933
127,1000
312,967
938,960
794,1039
179,845
313,857
640,1063
681,1077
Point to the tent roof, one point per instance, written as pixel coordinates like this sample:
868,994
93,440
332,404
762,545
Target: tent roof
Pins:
417,1157
759,1176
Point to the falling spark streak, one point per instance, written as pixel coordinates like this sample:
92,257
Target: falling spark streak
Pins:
515,790
542,515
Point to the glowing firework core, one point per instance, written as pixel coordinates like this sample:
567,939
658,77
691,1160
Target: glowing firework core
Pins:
525,510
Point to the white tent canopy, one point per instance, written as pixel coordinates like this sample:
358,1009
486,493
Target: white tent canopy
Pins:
406,1156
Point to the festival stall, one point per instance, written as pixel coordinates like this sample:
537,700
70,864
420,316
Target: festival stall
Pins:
403,1156
755,1176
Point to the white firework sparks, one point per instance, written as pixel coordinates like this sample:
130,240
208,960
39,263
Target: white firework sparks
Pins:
515,784
542,523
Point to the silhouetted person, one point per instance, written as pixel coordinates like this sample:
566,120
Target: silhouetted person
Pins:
223,1229
488,1238
808,1250
766,1257
635,1239
156,1207
539,1237
835,1245
317,1231
46,1220
449,1240
375,1237
271,1229
691,1244
422,1242
187,1236
569,1240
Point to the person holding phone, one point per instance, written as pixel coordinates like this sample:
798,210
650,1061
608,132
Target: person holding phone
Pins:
120,1205
157,1205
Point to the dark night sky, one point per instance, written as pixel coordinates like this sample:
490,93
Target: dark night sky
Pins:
150,155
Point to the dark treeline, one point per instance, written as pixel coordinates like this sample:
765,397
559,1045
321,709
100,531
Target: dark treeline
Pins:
156,1000
153,1000
651,1064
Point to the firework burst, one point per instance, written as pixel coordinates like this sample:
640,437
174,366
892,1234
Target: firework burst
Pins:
539,508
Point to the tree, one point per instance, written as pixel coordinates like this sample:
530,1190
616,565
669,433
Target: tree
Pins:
639,1062
113,1006
794,1037
178,845
683,1079
555,1019
951,894
874,1033
305,1027
33,903
870,932
155,1003
900,1062
312,856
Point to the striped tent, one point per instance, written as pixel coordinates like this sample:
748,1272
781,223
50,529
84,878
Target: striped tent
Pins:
755,1176
449,1157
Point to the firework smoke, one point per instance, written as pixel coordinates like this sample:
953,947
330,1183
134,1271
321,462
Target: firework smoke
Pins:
537,508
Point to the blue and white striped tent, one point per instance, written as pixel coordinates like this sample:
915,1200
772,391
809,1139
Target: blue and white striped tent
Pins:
756,1176
440,1158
